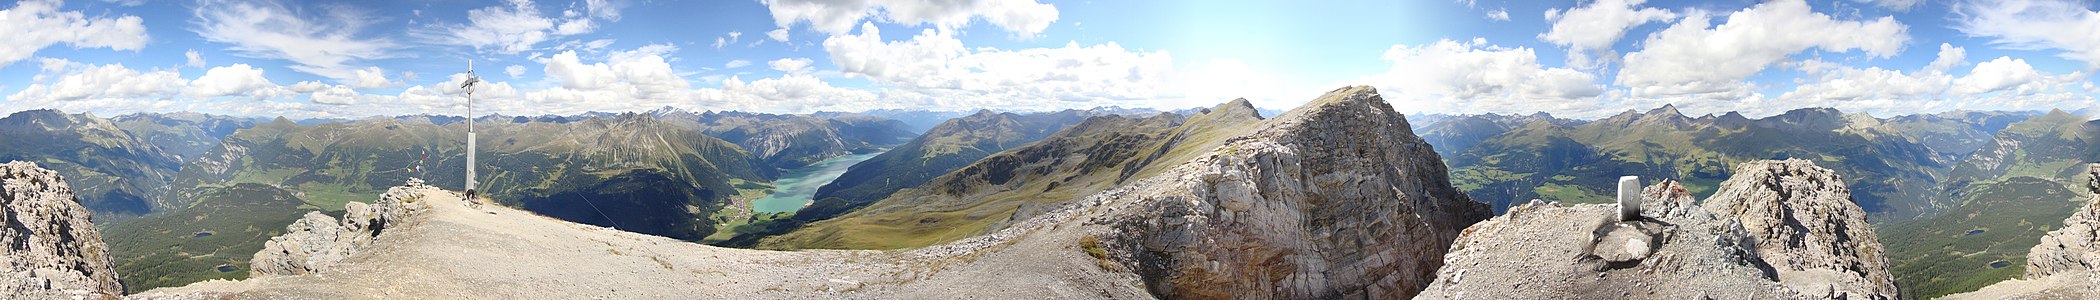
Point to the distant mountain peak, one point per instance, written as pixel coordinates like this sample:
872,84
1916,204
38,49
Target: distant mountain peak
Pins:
1666,110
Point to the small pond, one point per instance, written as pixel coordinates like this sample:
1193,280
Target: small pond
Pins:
1974,232
228,268
2000,264
201,234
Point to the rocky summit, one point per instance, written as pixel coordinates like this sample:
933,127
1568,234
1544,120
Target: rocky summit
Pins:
54,250
1335,199
2066,265
1777,230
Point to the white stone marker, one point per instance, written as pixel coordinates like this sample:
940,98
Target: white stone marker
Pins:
1629,198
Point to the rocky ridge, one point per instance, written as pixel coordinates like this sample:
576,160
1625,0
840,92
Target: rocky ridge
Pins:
2066,265
317,242
1777,230
55,251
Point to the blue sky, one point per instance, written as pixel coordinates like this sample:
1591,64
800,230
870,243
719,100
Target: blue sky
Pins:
1572,58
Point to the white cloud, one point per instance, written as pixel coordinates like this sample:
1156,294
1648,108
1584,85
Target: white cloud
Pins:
1498,15
514,71
33,25
1997,75
1024,18
638,77
934,66
517,27
1596,27
1898,5
2001,84
791,65
796,93
325,44
1688,59
1452,76
71,86
736,63
234,80
719,42
126,3
1950,57
778,34
2034,25
371,78
195,61
608,10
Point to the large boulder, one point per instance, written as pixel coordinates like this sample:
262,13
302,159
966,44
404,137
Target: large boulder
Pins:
1338,199
1777,230
54,251
317,242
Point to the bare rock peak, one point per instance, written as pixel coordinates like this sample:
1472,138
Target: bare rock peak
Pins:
57,253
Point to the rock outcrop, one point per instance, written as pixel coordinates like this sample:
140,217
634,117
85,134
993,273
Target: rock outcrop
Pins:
2066,265
54,250
1338,199
317,242
1807,228
2075,247
1778,229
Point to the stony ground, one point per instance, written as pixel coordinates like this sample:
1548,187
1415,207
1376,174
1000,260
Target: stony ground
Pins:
452,251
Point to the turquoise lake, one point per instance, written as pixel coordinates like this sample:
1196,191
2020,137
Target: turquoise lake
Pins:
796,187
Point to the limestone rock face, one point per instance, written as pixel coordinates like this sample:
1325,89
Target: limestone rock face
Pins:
316,242
1777,230
1807,228
2076,246
54,250
1335,200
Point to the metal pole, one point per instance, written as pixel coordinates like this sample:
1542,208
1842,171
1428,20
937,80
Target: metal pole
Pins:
471,80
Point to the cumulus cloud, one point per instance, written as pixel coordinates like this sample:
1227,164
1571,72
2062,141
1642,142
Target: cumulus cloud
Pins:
1690,59
327,44
1473,76
736,63
195,61
791,65
935,65
2067,26
517,27
234,80
514,71
778,34
63,80
1024,18
2004,83
1589,31
1997,75
371,78
1949,57
34,25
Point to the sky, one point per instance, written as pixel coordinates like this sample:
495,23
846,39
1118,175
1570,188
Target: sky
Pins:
1579,59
